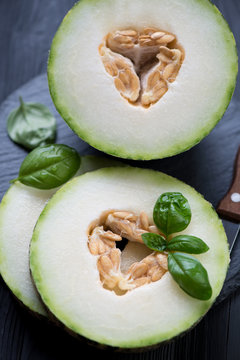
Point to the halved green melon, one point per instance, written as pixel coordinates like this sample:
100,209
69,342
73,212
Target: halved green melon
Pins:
85,70
66,273
19,211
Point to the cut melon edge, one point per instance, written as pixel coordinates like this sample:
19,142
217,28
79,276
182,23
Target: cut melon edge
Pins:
150,341
120,151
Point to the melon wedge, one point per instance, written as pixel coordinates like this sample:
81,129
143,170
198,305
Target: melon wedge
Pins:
142,79
19,211
66,274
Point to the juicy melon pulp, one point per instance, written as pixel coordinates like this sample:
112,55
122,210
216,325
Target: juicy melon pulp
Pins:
19,211
66,274
85,94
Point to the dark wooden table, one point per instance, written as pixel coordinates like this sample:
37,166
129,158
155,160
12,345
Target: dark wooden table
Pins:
26,30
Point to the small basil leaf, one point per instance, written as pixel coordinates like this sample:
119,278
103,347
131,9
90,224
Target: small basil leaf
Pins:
31,125
154,241
190,275
171,213
49,166
188,244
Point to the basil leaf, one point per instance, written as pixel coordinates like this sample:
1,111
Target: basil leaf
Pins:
31,125
190,275
154,241
188,244
171,213
49,166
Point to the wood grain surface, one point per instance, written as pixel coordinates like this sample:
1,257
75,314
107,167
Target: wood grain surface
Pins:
26,31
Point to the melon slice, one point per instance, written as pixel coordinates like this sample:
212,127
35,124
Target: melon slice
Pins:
142,79
67,269
19,211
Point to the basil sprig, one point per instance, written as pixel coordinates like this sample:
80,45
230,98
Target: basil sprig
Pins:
31,125
188,244
190,275
154,241
49,166
171,214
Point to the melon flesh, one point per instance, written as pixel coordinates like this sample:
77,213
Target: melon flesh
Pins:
133,252
19,211
87,99
66,274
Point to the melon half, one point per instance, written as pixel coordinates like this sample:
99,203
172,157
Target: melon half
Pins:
66,271
142,79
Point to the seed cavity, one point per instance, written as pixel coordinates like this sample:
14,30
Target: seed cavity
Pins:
142,63
104,234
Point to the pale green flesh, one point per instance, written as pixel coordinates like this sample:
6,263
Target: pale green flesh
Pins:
85,95
66,274
19,211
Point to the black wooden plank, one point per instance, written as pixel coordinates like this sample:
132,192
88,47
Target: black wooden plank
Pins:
26,31
233,351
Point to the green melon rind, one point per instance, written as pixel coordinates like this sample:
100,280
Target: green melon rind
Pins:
122,151
223,261
89,163
9,280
